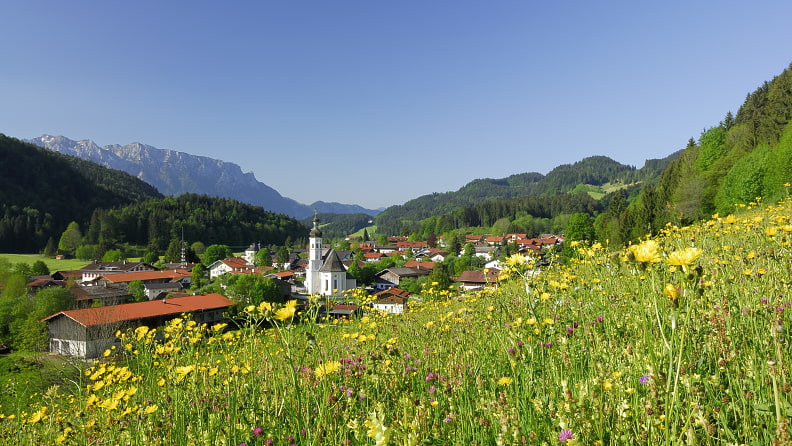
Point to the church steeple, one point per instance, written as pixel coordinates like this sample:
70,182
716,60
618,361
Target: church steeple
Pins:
314,258
315,232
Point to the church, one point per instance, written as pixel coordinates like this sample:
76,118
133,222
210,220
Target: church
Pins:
325,275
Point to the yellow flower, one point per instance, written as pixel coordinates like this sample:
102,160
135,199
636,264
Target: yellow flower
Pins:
646,252
265,307
38,415
287,312
516,259
150,409
671,292
327,368
505,381
183,371
684,258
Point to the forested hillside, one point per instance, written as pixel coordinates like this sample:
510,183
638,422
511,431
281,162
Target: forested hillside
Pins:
456,208
210,220
41,192
744,157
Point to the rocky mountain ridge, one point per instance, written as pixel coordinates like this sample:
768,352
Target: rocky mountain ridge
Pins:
175,173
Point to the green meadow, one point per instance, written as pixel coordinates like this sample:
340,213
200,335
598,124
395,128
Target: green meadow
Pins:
681,338
52,263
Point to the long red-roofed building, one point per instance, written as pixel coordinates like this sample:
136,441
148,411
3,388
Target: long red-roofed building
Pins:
88,332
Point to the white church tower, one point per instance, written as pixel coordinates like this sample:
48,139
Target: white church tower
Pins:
325,276
312,280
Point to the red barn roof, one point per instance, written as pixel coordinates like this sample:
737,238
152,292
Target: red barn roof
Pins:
144,310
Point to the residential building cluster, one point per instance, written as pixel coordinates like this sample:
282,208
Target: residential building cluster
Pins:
104,299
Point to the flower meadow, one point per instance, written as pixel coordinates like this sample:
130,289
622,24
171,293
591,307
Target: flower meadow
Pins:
680,338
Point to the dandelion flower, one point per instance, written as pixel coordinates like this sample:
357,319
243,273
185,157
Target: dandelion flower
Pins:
327,368
684,258
505,381
671,292
183,371
38,415
646,252
287,312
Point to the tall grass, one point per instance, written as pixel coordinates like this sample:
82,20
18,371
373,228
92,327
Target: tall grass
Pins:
679,339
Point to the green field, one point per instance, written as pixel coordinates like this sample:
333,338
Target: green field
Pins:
679,339
52,264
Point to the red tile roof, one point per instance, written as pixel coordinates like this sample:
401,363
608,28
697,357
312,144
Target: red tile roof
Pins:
148,275
420,264
410,244
393,291
144,310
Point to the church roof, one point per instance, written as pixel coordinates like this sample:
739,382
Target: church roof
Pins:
332,264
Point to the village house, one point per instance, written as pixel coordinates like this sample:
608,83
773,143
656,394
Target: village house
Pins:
90,296
389,278
158,291
494,240
338,311
475,280
411,246
146,277
236,265
420,265
373,256
251,251
96,269
38,283
393,300
88,332
486,252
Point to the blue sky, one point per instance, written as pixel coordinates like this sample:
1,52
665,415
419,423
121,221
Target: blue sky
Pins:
377,102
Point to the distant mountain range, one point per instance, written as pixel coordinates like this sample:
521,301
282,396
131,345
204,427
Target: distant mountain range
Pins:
176,173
